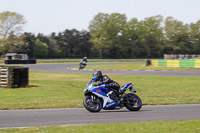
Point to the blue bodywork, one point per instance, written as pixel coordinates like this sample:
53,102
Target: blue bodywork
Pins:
100,92
126,87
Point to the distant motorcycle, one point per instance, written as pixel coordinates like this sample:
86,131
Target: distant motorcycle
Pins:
82,65
98,97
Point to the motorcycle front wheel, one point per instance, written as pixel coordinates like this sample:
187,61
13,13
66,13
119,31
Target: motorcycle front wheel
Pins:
92,103
133,103
80,67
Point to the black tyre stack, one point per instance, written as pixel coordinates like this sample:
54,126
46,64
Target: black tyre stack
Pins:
23,74
13,76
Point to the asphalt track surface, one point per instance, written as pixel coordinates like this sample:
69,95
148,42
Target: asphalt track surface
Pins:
77,116
64,68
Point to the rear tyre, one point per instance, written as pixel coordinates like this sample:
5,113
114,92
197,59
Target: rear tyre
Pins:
92,103
133,102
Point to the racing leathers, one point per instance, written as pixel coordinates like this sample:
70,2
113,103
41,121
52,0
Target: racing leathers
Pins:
106,82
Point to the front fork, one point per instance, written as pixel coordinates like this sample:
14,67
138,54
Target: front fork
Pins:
94,99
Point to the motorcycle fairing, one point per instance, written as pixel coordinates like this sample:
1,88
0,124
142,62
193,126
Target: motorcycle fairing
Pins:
111,105
126,87
98,91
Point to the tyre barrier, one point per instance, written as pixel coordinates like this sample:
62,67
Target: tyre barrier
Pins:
175,63
14,76
31,61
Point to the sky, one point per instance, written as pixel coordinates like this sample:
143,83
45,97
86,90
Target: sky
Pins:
47,16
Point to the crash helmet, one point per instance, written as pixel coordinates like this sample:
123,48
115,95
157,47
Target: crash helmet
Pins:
97,75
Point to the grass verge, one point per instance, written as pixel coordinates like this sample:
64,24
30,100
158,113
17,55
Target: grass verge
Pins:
58,90
181,126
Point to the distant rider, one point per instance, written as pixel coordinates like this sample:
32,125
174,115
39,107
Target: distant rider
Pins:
84,60
106,82
83,63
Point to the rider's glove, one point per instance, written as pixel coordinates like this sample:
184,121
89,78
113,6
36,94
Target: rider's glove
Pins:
94,78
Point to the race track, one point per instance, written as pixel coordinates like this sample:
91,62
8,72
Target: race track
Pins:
64,68
69,116
77,116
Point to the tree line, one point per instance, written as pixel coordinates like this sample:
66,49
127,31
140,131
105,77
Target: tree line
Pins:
109,36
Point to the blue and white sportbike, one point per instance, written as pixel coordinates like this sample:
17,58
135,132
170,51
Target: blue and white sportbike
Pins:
99,97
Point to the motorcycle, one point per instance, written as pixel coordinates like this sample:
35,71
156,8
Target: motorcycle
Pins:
82,65
99,97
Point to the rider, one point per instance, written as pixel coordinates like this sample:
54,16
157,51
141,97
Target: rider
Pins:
107,83
83,63
84,60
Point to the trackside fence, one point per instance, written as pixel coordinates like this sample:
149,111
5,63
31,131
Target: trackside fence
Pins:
174,63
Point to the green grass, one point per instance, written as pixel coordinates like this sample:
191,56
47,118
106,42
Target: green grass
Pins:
132,67
48,90
58,90
181,126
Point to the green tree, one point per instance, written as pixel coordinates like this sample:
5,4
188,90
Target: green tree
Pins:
40,49
68,41
130,39
29,44
83,46
13,44
195,37
150,35
74,43
11,24
115,38
54,50
177,37
98,31
106,33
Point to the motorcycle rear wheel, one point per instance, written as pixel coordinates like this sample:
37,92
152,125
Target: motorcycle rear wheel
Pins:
92,103
134,103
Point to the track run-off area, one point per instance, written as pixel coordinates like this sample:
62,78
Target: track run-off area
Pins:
77,116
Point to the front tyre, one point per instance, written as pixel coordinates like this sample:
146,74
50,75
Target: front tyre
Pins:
80,66
92,103
133,102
